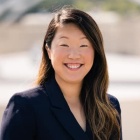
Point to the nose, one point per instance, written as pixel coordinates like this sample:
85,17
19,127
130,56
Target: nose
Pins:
74,54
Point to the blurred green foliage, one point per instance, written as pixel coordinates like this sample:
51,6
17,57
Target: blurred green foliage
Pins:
121,6
52,5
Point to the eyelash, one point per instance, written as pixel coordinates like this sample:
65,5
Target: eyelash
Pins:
84,46
64,45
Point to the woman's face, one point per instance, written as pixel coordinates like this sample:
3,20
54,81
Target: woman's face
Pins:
71,54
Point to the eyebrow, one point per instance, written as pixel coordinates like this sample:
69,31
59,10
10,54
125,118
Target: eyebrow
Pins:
63,37
84,37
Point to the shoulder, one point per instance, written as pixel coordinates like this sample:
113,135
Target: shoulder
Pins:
115,102
30,96
19,117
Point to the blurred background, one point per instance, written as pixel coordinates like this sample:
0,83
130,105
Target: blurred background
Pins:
23,24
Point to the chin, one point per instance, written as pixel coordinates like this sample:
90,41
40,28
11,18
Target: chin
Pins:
74,81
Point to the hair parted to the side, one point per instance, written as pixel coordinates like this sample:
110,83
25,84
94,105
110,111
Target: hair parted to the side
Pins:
101,115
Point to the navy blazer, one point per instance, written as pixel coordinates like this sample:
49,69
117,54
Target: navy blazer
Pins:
42,113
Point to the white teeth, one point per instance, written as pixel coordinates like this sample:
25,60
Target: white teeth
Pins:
73,66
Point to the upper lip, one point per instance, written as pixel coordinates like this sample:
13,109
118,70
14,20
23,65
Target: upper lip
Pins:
73,63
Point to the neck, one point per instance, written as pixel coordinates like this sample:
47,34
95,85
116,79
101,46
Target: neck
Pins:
71,91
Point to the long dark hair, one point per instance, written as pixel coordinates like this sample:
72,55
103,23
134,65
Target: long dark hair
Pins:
99,112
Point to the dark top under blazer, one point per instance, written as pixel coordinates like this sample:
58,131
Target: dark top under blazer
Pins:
43,114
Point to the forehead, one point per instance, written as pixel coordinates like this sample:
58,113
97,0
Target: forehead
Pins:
69,30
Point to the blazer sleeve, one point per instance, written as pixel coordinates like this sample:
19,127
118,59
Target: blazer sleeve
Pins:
114,101
18,121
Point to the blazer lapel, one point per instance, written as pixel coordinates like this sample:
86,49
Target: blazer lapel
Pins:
61,110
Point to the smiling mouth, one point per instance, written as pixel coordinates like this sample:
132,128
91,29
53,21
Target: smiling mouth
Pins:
73,66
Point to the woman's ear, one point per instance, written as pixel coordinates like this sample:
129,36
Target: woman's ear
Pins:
48,51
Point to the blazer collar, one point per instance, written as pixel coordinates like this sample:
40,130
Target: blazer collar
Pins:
62,111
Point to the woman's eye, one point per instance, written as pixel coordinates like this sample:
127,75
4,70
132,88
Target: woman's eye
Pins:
64,45
84,46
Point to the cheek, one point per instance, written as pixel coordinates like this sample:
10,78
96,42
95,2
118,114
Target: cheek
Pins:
89,56
56,55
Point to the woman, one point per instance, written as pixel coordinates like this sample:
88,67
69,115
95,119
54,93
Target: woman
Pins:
71,100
